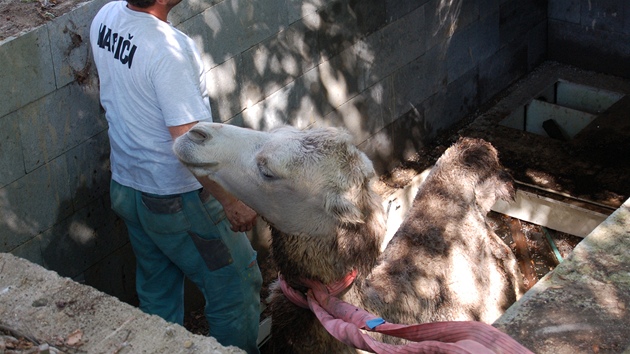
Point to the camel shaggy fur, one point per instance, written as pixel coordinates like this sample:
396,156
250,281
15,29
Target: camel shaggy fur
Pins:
315,190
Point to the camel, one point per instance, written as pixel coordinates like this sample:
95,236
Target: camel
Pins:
315,190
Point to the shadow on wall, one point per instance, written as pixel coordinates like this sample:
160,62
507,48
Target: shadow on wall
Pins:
308,65
373,67
92,247
86,241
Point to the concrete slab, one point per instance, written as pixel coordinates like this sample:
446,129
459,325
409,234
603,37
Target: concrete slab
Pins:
298,9
392,48
354,113
588,47
11,158
388,147
293,104
58,122
89,176
551,213
565,10
463,49
26,73
442,21
420,79
181,14
70,51
582,306
224,88
585,98
78,318
571,121
29,207
229,27
517,18
78,242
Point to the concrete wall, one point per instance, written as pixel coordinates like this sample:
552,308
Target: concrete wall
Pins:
591,34
393,72
54,158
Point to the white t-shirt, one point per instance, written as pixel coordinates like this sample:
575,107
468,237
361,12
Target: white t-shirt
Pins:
151,77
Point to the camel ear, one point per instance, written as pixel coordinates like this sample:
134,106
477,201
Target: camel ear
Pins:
343,209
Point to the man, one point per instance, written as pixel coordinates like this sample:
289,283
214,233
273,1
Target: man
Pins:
153,90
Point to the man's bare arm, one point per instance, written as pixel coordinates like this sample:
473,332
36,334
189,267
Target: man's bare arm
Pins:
240,216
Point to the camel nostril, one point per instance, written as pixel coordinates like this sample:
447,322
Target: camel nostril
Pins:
198,135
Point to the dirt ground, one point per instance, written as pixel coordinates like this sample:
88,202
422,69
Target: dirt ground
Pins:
17,16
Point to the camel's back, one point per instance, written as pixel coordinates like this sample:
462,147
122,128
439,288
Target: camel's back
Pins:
445,262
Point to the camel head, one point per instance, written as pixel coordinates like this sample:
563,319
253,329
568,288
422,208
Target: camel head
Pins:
286,175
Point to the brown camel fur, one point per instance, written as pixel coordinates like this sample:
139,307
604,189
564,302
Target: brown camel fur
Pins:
315,189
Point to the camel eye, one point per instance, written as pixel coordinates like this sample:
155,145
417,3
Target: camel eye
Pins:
264,171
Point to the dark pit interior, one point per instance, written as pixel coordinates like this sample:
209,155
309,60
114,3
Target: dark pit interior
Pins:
591,170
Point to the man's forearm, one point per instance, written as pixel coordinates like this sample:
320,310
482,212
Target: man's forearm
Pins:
220,194
240,216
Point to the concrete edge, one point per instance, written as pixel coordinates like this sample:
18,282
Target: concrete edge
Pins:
77,318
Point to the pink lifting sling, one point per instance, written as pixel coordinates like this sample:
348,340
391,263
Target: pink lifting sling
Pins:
345,322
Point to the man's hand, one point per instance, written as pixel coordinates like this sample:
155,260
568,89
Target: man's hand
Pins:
241,217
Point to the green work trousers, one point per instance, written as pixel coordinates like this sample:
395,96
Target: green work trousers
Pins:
177,236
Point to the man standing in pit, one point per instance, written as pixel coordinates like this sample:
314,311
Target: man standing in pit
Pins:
152,87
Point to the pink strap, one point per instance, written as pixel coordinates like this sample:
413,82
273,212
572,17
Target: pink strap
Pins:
333,289
345,321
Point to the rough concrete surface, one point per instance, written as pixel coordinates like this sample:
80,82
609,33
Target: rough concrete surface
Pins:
76,318
583,305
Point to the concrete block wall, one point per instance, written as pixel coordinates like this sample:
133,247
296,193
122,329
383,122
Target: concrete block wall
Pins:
54,158
591,34
469,52
393,72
